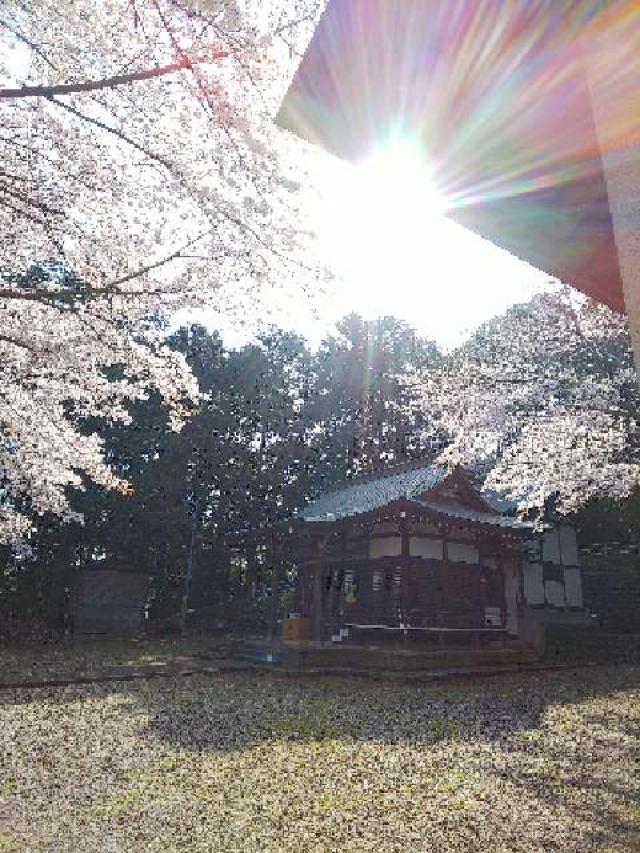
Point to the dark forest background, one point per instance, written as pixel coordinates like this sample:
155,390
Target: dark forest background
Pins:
277,424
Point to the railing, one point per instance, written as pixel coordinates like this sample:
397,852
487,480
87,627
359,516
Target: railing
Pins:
441,635
434,630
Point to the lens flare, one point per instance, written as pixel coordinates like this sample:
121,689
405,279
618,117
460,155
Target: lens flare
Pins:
502,96
381,216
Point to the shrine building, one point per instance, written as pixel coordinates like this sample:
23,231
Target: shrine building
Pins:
420,556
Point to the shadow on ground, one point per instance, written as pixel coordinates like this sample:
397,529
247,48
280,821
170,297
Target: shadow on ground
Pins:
561,743
239,711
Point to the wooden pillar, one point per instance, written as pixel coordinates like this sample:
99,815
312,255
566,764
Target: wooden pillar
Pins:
404,533
405,590
300,596
613,73
509,570
318,593
276,577
331,595
441,581
250,576
235,581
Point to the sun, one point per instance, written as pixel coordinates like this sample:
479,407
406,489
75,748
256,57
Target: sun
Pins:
397,177
379,217
383,230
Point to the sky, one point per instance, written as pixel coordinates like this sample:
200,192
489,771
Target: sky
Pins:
382,231
394,251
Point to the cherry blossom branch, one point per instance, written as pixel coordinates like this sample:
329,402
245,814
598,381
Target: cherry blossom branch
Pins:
114,131
30,216
108,82
32,202
16,343
34,47
109,289
30,295
173,171
148,267
117,79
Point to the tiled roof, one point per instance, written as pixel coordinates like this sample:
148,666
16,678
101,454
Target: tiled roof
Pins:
498,501
373,494
368,495
496,519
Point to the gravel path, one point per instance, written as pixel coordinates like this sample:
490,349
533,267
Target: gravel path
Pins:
538,762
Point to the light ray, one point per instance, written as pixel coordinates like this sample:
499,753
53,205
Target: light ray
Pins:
500,94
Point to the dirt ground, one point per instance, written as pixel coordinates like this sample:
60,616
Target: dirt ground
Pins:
535,762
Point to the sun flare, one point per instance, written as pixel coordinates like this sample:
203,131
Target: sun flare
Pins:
384,233
380,216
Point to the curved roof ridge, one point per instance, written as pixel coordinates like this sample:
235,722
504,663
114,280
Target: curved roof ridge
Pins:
363,495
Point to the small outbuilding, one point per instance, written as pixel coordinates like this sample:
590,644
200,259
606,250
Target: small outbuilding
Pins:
109,601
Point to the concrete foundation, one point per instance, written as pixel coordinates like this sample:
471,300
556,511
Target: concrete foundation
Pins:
376,658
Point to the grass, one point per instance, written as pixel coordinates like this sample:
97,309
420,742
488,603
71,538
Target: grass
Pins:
590,643
537,763
68,657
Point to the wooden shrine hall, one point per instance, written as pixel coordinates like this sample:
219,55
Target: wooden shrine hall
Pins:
417,555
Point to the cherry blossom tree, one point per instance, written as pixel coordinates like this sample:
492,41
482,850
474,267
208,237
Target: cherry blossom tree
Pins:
141,174
542,400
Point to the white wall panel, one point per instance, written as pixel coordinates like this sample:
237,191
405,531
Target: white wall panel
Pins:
573,587
389,546
554,593
428,549
533,583
460,552
568,546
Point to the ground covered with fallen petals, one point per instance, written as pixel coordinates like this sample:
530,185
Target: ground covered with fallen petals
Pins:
538,762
